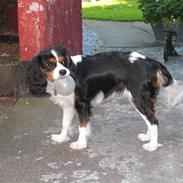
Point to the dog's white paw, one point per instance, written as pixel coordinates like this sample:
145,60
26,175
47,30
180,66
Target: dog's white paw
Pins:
78,145
151,147
143,137
59,138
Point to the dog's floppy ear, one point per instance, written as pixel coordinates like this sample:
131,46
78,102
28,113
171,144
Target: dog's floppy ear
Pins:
35,80
65,53
63,50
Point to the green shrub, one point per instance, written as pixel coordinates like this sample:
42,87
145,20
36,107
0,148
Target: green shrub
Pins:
161,11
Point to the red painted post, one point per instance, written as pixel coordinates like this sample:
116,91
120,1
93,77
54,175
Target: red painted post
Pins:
47,23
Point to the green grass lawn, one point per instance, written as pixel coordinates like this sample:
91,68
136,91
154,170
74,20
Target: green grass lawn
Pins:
114,10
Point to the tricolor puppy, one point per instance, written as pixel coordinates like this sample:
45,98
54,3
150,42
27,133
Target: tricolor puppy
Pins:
98,77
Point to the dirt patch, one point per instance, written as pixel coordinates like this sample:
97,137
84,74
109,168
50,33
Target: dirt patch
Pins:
9,50
6,104
9,59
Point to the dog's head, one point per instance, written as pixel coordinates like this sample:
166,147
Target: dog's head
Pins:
49,65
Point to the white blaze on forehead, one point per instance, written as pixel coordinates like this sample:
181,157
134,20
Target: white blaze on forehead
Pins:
58,68
76,59
54,53
134,56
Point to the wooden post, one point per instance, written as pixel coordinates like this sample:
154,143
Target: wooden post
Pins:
48,23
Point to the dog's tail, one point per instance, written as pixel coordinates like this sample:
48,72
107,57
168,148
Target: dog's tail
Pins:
173,88
163,77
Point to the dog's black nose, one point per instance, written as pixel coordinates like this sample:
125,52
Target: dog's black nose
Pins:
62,72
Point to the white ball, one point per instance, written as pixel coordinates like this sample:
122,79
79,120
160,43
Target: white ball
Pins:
64,86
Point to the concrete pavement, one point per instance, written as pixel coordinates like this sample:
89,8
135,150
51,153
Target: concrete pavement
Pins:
114,155
123,34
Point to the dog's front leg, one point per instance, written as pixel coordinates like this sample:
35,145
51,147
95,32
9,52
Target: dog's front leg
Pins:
84,127
68,114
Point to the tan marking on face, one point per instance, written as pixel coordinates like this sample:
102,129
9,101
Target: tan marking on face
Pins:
53,59
49,75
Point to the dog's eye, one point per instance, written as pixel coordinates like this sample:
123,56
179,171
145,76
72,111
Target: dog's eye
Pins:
50,65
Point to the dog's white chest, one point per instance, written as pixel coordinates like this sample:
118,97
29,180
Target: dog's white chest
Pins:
63,101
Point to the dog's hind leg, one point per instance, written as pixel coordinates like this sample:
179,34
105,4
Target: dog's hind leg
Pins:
151,134
68,114
84,126
146,111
